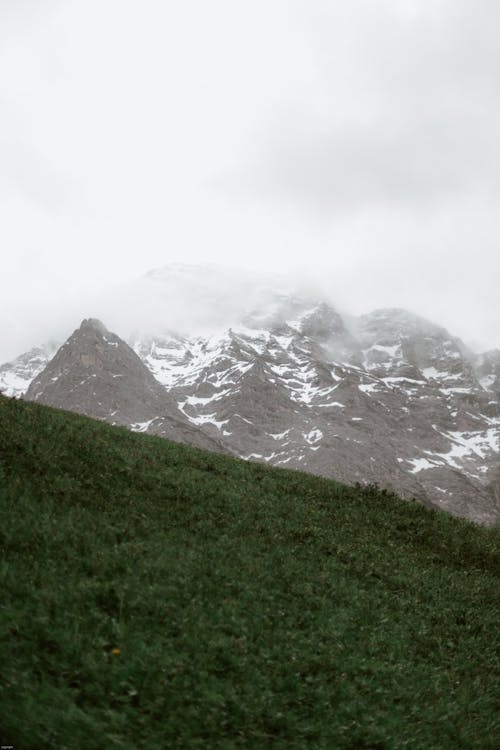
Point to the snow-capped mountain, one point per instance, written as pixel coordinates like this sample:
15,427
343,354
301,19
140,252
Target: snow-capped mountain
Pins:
97,374
402,403
391,399
16,376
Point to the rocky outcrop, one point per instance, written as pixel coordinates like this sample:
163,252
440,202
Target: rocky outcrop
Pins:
97,374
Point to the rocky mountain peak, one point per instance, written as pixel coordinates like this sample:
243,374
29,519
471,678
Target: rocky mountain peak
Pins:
322,322
392,398
95,325
98,374
92,373
398,343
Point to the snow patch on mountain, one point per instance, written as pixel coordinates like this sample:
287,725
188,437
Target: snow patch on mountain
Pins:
16,376
289,385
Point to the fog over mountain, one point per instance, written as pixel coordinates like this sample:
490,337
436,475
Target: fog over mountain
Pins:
197,300
275,373
353,144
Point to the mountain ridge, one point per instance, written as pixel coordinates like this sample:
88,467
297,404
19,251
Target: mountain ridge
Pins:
97,374
394,400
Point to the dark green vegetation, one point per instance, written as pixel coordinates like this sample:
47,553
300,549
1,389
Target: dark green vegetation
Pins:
251,607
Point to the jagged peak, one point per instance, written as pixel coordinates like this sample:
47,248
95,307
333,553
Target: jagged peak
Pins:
93,324
321,320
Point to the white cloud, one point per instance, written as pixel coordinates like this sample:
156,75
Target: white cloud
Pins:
357,141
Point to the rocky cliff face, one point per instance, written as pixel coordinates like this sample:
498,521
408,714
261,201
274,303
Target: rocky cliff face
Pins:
97,374
394,400
400,402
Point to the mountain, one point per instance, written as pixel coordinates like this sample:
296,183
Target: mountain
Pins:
16,376
389,398
97,374
398,402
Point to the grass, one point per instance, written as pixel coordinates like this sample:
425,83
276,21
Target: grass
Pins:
157,596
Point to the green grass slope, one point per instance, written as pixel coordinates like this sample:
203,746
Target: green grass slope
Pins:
156,596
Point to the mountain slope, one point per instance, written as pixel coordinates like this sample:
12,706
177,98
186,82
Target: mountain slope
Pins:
97,374
399,403
390,398
154,595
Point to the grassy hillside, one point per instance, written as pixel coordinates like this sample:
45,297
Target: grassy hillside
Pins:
156,596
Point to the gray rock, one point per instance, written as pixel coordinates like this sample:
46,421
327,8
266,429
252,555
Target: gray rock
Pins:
97,374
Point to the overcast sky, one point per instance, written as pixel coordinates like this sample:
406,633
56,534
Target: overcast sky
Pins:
357,142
